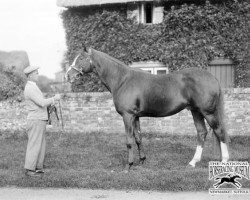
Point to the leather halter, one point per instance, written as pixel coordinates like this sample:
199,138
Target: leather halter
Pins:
72,66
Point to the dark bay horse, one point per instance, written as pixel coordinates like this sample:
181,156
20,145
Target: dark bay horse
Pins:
139,94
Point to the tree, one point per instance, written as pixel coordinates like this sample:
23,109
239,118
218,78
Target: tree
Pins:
11,83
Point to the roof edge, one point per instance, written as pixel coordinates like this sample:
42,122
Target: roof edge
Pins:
78,3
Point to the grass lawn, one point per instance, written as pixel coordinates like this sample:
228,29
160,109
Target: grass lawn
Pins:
96,161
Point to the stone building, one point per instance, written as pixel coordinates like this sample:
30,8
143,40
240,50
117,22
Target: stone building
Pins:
150,12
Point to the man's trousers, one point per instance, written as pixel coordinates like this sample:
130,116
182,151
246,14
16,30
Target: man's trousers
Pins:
35,152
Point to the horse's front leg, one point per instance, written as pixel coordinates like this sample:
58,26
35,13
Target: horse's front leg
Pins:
129,128
138,140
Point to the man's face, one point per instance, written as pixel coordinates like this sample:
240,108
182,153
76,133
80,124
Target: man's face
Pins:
33,76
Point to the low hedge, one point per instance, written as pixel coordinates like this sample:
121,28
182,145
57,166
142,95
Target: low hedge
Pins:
11,83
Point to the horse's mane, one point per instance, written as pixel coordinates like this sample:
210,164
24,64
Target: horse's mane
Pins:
106,57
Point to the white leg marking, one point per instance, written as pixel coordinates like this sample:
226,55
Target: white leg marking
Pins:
224,152
197,156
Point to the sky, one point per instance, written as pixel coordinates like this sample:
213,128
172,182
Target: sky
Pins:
34,26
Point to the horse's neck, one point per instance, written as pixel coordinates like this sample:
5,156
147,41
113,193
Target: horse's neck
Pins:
110,75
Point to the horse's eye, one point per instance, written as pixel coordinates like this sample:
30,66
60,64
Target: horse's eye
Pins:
78,76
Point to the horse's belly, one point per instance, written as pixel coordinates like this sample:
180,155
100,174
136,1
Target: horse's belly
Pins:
164,109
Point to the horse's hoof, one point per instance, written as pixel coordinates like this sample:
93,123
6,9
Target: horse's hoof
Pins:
142,160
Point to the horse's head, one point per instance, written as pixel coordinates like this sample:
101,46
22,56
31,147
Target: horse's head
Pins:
81,64
233,176
237,176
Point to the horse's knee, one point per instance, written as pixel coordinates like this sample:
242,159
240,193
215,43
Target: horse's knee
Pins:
129,142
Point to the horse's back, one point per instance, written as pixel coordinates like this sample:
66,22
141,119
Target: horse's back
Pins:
197,79
164,95
192,87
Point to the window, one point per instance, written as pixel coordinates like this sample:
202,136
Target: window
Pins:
161,70
151,67
149,70
146,12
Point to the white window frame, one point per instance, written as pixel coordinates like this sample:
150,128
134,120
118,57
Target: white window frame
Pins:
160,68
148,69
151,66
142,12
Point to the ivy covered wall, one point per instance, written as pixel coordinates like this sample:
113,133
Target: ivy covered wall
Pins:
189,36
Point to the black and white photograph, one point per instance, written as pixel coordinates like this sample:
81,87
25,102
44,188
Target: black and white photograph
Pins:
124,99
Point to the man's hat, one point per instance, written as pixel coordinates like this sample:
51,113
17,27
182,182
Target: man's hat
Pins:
30,69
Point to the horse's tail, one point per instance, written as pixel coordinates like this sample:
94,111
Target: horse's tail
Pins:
221,116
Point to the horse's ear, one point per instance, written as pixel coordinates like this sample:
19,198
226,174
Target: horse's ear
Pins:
87,50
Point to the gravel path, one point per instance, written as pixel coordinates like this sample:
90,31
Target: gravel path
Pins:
82,194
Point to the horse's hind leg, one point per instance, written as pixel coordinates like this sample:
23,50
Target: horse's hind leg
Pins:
201,134
217,125
138,140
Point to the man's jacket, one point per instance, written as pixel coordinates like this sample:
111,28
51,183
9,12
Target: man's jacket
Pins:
35,102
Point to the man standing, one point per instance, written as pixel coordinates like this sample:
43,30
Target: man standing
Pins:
36,106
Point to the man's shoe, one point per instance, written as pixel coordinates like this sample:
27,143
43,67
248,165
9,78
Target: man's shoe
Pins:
40,171
32,173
